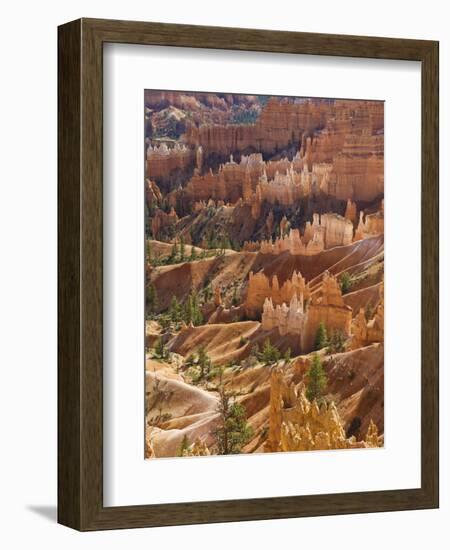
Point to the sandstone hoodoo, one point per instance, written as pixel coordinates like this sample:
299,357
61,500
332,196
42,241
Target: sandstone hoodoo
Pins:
264,291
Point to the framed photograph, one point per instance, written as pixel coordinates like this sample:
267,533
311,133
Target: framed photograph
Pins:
248,274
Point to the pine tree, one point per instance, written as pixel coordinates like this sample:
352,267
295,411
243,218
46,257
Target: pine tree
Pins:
204,363
287,355
369,311
337,342
233,431
149,252
316,379
321,340
182,249
184,446
175,310
187,310
345,282
161,352
207,293
195,314
193,255
152,299
269,354
173,254
235,299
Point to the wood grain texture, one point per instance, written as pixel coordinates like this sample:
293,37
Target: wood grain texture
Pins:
69,247
80,264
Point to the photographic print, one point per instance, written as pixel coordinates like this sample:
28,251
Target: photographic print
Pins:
264,274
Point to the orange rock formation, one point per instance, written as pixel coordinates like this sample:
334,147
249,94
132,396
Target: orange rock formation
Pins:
304,320
296,424
260,288
370,225
325,231
280,123
366,332
162,160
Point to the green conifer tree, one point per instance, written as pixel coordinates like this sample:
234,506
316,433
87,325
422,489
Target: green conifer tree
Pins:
269,354
182,249
321,340
175,310
161,351
345,282
233,431
152,299
316,379
287,355
184,446
204,363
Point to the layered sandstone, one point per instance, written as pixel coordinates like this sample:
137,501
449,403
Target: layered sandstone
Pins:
163,160
358,170
370,225
350,211
303,320
366,332
287,319
279,180
281,123
327,308
261,287
338,231
292,243
325,231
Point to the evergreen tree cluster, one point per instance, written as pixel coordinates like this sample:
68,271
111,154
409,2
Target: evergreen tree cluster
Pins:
187,312
335,342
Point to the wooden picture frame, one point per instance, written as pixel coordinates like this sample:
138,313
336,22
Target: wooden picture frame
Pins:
80,272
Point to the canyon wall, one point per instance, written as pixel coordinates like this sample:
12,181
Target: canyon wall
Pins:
340,152
284,122
325,231
163,160
280,124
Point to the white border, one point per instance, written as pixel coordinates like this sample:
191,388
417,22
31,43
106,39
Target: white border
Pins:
128,478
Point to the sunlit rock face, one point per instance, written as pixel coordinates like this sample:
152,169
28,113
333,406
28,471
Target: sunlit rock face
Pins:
296,424
370,224
280,124
296,315
367,331
162,160
325,231
261,287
